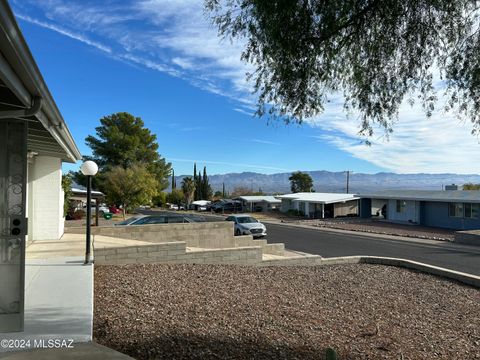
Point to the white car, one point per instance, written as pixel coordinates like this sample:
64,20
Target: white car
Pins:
102,209
247,225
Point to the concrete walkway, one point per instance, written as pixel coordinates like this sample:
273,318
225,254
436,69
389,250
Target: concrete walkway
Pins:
58,294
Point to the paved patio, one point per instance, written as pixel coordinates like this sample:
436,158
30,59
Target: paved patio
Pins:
58,293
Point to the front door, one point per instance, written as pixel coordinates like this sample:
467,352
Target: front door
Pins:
13,162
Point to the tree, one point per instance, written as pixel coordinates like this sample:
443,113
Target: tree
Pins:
122,140
471,186
188,188
67,192
174,183
377,53
176,197
130,187
245,191
207,191
160,199
301,182
223,190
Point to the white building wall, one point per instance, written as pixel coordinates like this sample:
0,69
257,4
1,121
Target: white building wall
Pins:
46,199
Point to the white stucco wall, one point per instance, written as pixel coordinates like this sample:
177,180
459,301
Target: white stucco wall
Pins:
45,207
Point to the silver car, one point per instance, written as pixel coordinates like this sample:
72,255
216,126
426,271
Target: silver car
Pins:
247,225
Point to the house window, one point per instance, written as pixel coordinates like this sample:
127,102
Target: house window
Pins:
471,210
455,209
401,204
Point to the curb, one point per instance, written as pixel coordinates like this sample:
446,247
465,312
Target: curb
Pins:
464,278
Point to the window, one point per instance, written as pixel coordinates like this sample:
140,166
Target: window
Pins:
471,210
455,209
401,204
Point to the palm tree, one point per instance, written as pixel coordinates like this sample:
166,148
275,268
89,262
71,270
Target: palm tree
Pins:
188,187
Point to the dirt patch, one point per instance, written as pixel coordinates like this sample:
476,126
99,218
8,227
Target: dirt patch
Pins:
237,312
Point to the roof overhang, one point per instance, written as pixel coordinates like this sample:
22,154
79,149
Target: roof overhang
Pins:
419,198
332,201
20,82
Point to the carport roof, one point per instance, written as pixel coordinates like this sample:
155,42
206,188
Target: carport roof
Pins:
259,198
472,196
320,198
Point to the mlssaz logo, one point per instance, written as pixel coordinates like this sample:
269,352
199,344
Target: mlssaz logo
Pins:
53,343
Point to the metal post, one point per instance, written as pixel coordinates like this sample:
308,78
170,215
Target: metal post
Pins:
96,212
89,218
348,179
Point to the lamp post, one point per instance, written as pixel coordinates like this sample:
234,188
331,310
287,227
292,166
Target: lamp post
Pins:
89,169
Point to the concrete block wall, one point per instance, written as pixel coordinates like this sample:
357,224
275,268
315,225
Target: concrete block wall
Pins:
272,249
209,235
175,252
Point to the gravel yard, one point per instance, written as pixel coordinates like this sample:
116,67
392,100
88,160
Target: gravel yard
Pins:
386,228
237,312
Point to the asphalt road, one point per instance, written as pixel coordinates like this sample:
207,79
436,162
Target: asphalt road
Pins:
331,244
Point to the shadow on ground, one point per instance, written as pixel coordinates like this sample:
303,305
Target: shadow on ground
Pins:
191,346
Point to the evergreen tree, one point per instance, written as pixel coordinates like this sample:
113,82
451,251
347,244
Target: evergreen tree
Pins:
173,180
223,190
207,191
195,195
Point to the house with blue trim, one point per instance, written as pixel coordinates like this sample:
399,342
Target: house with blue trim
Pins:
451,209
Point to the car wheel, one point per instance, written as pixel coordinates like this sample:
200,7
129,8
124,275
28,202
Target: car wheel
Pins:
237,232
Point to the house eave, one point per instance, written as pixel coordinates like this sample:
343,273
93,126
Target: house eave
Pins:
21,75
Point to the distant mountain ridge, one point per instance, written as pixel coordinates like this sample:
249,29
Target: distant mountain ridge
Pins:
327,181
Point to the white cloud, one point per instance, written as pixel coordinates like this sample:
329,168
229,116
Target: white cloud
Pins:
258,167
440,144
174,37
66,32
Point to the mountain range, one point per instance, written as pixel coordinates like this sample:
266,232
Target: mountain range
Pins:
326,181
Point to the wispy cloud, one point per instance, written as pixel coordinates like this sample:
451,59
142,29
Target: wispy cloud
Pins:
66,32
232,164
266,142
174,37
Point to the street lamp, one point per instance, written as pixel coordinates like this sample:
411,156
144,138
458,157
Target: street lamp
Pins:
89,169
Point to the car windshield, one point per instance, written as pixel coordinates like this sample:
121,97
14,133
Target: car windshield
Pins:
246,220
129,221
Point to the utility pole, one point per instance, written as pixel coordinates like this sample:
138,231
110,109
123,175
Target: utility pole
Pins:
348,179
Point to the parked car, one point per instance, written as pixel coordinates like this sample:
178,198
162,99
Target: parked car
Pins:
227,206
155,219
114,210
247,225
102,209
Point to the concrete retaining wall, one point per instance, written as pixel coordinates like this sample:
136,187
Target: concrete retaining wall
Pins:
210,235
176,253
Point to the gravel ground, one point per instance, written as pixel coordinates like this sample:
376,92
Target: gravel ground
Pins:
386,228
236,312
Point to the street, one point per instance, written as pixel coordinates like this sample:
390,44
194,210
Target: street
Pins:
330,244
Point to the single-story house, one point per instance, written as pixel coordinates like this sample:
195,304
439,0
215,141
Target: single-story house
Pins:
34,141
452,209
320,205
259,203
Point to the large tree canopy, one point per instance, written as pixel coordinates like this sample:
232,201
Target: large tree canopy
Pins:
122,140
376,52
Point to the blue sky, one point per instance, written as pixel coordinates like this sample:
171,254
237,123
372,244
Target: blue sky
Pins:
161,60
